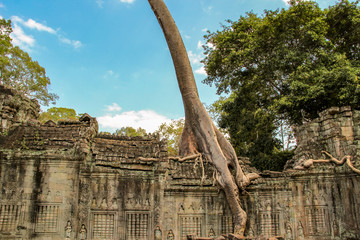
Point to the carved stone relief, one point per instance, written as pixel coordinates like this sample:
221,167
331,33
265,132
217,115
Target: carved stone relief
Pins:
191,224
68,230
11,216
170,235
138,225
83,232
47,218
103,225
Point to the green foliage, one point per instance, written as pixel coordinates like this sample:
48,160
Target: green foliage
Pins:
19,71
274,161
303,59
284,66
172,132
130,132
253,131
59,114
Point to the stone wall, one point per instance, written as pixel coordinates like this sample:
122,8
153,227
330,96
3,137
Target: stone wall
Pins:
65,181
15,109
336,131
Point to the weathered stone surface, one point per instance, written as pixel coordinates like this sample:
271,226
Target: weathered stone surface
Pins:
65,181
337,132
15,109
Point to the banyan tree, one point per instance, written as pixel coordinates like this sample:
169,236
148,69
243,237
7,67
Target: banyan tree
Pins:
200,136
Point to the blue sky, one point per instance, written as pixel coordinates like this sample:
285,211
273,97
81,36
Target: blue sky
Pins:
109,58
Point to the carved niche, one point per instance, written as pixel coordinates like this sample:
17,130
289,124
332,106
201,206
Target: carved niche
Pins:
47,218
138,225
11,216
317,216
103,225
191,220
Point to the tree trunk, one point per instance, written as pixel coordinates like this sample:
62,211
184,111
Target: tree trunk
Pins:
200,135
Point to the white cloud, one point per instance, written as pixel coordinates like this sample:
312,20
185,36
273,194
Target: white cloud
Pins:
113,108
26,41
146,119
210,45
194,58
32,24
19,38
127,1
74,43
100,3
38,26
204,30
201,71
199,44
2,5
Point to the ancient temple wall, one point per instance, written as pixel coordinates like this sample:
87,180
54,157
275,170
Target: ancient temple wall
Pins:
336,131
38,198
320,204
119,204
64,181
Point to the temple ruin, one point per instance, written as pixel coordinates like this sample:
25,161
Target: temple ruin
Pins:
67,181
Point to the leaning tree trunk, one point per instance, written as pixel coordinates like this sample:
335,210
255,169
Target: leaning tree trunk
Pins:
200,135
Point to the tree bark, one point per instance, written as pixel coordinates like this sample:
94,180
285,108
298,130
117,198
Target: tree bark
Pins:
200,135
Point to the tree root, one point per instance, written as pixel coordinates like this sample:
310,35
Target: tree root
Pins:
198,158
187,158
310,162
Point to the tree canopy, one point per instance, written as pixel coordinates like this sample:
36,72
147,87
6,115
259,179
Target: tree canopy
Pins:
172,132
19,71
283,66
130,132
59,114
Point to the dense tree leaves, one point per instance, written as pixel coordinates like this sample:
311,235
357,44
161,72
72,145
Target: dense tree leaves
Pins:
19,71
172,133
130,132
284,66
303,59
254,131
59,114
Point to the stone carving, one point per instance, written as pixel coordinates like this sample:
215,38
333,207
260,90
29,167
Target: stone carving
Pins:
68,230
211,233
300,231
93,204
170,235
83,232
103,225
269,220
226,224
190,224
104,204
251,232
317,219
137,224
47,218
114,204
10,215
289,234
157,233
